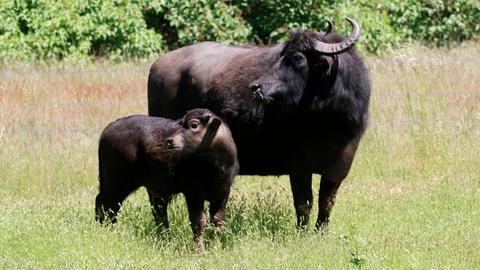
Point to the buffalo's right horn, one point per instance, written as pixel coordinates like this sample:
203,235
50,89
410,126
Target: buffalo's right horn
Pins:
347,43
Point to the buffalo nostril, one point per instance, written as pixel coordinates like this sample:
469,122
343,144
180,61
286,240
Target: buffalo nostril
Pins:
256,91
255,87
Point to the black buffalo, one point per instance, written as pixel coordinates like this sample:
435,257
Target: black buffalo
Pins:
296,108
195,156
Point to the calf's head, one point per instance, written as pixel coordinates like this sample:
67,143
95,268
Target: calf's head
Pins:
199,128
305,55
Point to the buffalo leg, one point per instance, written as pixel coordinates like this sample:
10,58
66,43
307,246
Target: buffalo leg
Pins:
332,177
196,213
326,200
159,209
217,212
115,186
301,184
217,217
107,206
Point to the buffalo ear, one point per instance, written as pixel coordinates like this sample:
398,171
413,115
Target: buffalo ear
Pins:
325,63
215,124
211,131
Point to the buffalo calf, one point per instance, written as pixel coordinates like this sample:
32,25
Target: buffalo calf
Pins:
195,155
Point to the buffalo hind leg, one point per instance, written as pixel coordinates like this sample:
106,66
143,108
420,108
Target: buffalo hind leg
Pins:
332,178
159,209
301,184
326,200
107,206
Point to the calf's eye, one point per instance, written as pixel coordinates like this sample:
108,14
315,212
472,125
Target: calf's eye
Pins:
194,125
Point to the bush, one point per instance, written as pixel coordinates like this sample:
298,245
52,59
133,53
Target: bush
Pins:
377,32
187,22
33,30
437,22
49,29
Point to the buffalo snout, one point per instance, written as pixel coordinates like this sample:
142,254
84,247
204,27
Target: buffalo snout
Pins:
255,87
259,93
256,90
169,143
178,142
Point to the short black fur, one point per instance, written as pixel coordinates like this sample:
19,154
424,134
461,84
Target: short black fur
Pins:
292,109
195,156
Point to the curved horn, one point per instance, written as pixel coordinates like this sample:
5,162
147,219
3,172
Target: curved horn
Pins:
329,27
347,43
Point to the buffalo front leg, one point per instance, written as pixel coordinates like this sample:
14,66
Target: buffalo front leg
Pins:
217,212
159,205
326,200
301,184
198,222
217,217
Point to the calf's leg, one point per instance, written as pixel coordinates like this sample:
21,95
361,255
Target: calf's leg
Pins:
159,208
217,212
196,213
113,191
217,216
107,204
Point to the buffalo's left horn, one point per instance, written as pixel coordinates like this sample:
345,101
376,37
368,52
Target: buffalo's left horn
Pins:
329,27
347,43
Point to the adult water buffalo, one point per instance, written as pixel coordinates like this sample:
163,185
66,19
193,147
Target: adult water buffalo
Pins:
296,108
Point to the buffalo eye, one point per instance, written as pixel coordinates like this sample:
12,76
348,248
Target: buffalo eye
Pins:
297,58
194,125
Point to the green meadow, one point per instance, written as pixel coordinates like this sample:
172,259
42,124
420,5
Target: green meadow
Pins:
411,200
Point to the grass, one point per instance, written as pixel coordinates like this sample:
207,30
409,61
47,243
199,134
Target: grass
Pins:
411,200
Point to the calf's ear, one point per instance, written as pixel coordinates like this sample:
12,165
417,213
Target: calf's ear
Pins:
214,124
211,131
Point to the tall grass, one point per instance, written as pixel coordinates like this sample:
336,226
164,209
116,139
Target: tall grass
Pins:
412,198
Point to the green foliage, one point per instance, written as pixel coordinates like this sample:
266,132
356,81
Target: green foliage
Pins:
271,19
47,29
437,22
385,24
197,20
33,30
377,33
